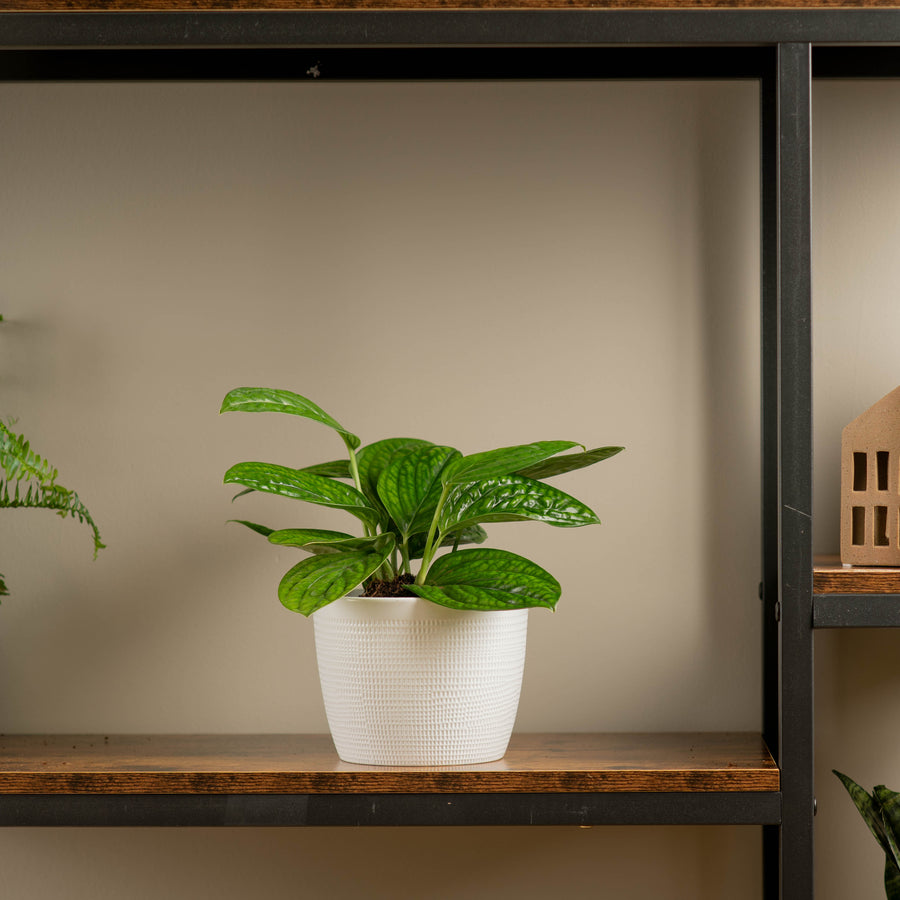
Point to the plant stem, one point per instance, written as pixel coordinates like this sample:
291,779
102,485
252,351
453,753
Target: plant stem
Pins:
430,543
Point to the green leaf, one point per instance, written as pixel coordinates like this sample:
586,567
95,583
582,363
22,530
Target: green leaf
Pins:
889,803
559,465
264,530
504,461
512,499
474,534
891,879
254,399
373,459
320,541
297,485
337,468
868,808
488,580
410,487
319,580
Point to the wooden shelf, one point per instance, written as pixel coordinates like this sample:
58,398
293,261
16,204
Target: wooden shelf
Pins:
261,764
855,596
298,780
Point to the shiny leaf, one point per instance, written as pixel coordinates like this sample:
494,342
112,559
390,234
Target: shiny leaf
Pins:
337,468
259,529
410,487
512,499
373,459
319,580
488,580
504,461
255,399
297,485
319,541
474,534
559,465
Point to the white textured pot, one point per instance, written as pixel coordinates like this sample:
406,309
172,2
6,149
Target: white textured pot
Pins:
409,683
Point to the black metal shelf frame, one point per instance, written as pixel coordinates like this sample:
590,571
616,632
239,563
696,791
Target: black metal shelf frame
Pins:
773,47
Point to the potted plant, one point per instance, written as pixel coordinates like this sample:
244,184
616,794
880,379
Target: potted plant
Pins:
420,651
881,812
30,482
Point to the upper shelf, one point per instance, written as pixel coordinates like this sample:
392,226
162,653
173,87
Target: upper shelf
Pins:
298,780
855,596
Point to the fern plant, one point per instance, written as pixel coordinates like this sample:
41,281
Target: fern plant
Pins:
881,812
30,481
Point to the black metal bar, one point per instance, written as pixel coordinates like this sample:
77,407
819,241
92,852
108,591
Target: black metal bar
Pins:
447,27
795,753
768,102
856,611
391,809
409,63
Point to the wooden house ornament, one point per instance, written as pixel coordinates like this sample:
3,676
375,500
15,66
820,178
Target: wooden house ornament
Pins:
870,486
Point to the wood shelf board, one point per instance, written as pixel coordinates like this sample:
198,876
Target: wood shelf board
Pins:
830,577
307,764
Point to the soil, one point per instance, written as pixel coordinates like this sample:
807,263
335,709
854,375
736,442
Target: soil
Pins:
395,588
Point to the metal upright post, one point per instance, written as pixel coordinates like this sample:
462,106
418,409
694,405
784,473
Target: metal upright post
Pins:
794,610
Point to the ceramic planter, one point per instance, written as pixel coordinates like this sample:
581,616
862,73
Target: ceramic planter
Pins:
409,683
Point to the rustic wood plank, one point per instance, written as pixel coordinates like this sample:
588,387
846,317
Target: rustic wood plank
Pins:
288,5
830,577
307,764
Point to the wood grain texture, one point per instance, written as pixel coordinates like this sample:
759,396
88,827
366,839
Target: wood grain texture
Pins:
307,764
287,5
830,577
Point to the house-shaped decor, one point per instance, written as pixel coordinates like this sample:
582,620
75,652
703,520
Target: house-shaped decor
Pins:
870,486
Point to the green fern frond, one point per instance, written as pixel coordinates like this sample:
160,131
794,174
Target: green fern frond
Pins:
31,483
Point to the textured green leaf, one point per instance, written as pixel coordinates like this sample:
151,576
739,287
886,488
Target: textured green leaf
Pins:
319,580
337,468
488,580
891,879
889,804
264,530
512,499
373,459
868,808
559,465
474,534
320,541
410,486
296,485
255,399
503,461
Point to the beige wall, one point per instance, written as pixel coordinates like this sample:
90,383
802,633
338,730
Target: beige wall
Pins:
580,257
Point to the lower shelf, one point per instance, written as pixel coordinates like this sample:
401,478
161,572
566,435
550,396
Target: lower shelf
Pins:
237,780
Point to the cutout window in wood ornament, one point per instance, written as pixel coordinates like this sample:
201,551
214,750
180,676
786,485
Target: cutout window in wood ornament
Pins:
870,486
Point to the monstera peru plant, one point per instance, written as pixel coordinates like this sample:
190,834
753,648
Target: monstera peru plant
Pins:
881,812
413,498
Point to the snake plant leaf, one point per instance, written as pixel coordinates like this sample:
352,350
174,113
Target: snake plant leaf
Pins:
503,461
889,802
410,486
474,534
319,580
512,499
374,458
264,530
868,808
256,399
488,580
274,479
320,541
559,465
